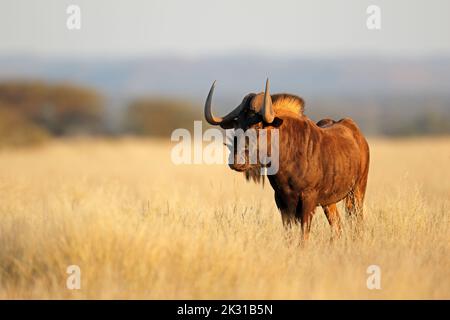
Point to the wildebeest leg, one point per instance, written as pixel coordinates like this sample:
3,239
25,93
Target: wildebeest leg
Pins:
354,202
288,217
305,211
334,219
287,210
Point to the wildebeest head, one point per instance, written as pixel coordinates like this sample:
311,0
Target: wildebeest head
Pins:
256,111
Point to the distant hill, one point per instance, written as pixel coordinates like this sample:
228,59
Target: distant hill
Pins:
374,90
238,74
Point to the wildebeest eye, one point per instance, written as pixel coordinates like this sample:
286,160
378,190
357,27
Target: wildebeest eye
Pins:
228,125
254,119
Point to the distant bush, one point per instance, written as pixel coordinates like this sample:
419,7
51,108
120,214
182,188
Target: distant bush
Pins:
16,130
60,108
425,123
389,115
159,116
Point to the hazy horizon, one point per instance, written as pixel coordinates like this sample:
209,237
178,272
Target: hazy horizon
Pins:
200,28
321,50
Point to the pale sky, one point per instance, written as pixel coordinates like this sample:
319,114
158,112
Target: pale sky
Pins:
124,28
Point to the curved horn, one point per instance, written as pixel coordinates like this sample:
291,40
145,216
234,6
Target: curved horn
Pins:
267,109
208,113
213,120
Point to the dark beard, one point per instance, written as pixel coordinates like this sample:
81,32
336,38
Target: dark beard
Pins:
254,174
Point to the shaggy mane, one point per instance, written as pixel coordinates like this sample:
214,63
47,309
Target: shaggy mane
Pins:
289,102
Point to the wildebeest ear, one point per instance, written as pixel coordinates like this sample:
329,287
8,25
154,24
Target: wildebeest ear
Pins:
276,122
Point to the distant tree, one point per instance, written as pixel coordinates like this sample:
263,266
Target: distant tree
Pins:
60,108
159,116
16,130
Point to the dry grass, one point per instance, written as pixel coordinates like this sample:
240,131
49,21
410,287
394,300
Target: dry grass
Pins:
141,227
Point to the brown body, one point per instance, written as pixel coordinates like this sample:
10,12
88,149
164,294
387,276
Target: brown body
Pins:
319,164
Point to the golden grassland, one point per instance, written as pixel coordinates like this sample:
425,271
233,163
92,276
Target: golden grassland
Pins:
141,227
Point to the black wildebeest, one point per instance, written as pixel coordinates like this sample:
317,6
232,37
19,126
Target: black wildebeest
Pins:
319,164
